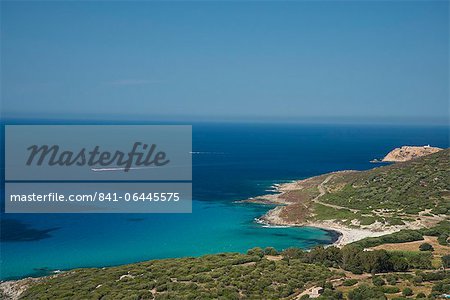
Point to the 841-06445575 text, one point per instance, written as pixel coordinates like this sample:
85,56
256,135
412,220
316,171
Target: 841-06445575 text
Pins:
97,196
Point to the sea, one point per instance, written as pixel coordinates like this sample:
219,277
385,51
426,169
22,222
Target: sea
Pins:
230,162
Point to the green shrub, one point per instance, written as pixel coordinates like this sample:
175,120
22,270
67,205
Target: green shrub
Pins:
293,253
441,287
365,292
256,252
443,239
350,282
330,294
402,236
391,289
378,281
446,261
391,279
417,280
270,251
395,221
416,260
407,292
426,247
433,276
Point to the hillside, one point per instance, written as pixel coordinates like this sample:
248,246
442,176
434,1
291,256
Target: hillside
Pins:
412,194
417,186
348,273
225,276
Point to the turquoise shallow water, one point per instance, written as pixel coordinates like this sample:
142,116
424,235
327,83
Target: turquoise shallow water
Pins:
101,240
235,162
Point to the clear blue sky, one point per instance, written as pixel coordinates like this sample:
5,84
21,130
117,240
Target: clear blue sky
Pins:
226,60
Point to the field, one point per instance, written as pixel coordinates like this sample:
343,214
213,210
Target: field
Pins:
414,246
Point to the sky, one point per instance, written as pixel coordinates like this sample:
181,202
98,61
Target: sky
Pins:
232,60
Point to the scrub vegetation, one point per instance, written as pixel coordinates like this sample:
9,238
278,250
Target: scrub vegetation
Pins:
409,263
400,189
351,272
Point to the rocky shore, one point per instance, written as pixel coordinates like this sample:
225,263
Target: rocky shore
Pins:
406,153
345,234
298,212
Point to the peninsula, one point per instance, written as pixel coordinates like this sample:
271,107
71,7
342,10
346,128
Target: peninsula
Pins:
406,153
359,204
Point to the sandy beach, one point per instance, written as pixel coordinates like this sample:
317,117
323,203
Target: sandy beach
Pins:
346,235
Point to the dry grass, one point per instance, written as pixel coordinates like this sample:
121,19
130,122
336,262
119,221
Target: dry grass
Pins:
401,284
414,246
274,257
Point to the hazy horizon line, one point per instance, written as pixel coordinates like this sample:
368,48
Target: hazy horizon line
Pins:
124,118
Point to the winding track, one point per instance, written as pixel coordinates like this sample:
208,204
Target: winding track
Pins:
322,192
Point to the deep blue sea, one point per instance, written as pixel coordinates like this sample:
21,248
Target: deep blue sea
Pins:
234,162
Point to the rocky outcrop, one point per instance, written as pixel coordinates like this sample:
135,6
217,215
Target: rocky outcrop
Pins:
406,153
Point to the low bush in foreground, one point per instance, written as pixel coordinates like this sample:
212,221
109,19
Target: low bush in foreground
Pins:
407,292
365,292
226,276
391,289
426,247
350,282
